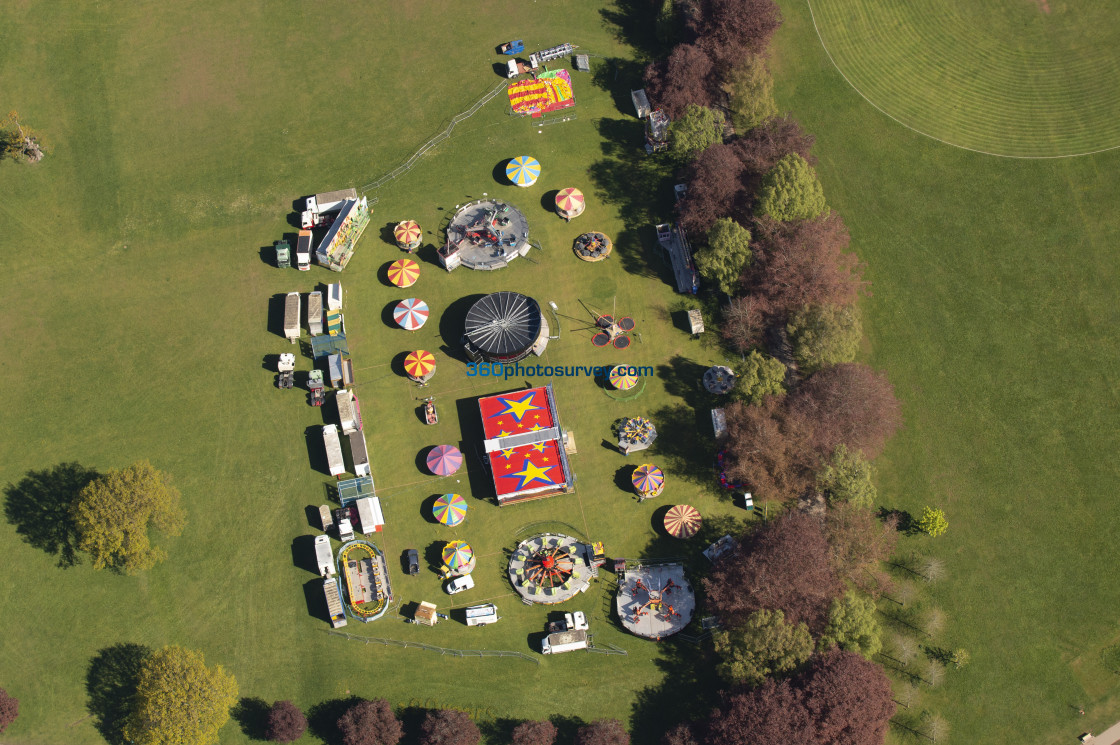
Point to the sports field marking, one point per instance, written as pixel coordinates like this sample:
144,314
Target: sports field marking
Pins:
999,101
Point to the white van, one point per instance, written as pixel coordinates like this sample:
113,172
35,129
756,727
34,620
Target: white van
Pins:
466,582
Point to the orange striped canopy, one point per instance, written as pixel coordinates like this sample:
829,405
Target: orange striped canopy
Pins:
569,199
407,232
682,521
404,272
419,364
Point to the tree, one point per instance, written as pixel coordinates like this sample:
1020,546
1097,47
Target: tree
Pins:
767,448
113,513
933,522
760,148
9,709
849,699
286,723
757,376
449,727
666,24
695,130
847,478
858,543
960,658
682,79
715,189
772,714
932,568
370,723
825,335
850,404
852,626
762,647
19,141
731,30
179,700
534,733
603,732
791,191
728,252
682,734
751,89
783,565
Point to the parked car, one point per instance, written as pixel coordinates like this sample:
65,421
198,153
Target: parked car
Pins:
459,584
413,561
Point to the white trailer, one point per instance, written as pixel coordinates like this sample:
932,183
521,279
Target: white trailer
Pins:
331,442
303,251
334,296
334,602
359,455
480,615
315,313
323,556
347,412
564,641
370,518
291,317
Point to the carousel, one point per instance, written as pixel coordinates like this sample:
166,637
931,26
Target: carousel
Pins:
635,433
655,601
592,246
570,203
550,568
420,366
458,559
407,235
648,481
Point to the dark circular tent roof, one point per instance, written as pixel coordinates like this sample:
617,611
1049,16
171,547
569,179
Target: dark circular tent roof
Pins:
503,324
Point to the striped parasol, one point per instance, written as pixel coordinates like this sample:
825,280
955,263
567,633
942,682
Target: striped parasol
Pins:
444,460
450,509
570,199
411,314
404,272
457,555
682,521
407,233
648,480
419,364
523,170
623,377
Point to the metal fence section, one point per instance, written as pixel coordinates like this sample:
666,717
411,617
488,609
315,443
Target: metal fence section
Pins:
408,164
441,650
604,647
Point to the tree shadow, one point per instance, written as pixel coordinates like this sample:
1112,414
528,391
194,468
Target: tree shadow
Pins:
322,719
567,727
39,508
251,714
687,692
498,730
907,525
619,77
111,681
683,449
633,23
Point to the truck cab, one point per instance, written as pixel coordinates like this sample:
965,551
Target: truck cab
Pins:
303,250
345,530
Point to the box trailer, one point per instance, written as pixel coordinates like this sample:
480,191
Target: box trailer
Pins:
334,296
303,250
359,455
564,641
291,317
480,615
325,518
323,556
334,602
370,518
347,412
333,447
315,313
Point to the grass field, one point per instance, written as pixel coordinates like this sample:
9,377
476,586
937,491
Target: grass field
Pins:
1024,78
993,311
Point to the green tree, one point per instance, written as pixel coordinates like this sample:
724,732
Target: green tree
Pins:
933,522
960,658
757,376
112,515
179,700
825,335
791,191
852,625
765,645
666,24
694,130
751,89
727,254
847,478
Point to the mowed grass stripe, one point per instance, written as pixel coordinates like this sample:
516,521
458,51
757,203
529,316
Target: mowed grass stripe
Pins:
1025,90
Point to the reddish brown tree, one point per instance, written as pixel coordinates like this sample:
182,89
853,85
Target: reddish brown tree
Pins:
449,727
603,732
682,734
858,543
9,709
370,723
849,699
850,404
768,449
534,733
286,723
715,189
782,566
763,146
684,77
732,29
772,714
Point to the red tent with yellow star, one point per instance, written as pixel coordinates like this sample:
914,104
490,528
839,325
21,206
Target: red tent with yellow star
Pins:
524,445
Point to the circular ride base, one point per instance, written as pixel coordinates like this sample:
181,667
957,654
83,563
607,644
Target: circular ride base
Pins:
489,234
592,247
549,569
655,601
